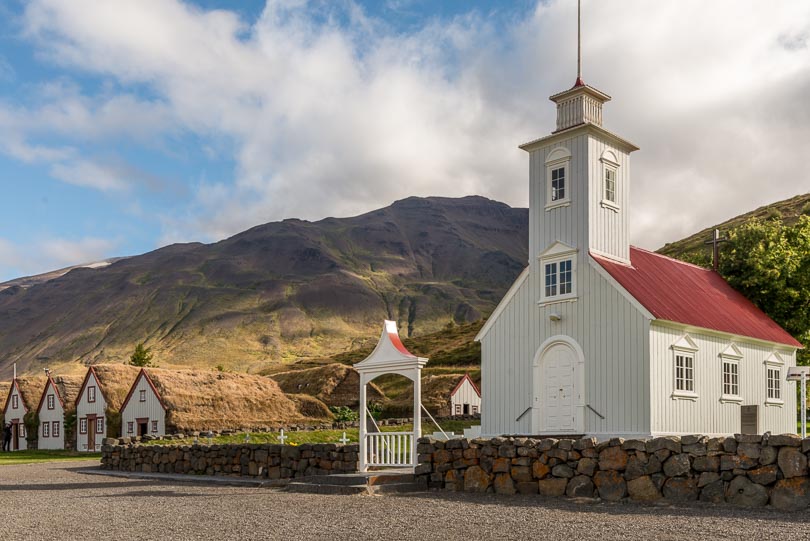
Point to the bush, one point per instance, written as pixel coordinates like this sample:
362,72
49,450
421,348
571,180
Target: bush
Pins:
344,414
31,422
113,423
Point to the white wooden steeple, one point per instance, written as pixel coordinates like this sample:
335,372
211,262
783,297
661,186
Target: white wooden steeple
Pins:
580,178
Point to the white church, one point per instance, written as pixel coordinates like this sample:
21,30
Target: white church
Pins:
598,337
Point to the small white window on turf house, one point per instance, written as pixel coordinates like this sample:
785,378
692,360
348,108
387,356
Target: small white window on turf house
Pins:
50,401
730,365
55,429
91,393
130,427
15,402
558,178
100,425
46,430
683,357
83,425
142,395
154,427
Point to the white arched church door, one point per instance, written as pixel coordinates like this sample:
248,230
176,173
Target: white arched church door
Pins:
556,390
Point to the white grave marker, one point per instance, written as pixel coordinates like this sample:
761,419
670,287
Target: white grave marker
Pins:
281,437
344,440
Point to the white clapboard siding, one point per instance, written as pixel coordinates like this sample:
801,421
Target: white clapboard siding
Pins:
86,409
148,410
51,418
612,334
465,394
707,414
15,415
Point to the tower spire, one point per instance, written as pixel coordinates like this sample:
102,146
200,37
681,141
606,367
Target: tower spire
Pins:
579,81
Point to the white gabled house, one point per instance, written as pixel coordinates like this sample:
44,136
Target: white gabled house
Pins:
601,338
51,414
465,398
143,411
13,413
22,398
91,413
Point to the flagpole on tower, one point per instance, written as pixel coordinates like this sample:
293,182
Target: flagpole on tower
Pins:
579,40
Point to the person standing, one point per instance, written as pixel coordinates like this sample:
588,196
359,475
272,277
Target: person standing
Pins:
7,437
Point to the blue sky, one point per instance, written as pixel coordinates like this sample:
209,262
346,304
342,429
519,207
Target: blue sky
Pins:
130,125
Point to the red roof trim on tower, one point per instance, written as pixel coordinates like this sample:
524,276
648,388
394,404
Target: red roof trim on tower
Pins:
683,293
579,82
135,384
467,378
45,392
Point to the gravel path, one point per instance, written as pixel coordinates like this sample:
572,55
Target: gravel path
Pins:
51,501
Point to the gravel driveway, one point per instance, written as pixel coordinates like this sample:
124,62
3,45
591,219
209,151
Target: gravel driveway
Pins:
51,501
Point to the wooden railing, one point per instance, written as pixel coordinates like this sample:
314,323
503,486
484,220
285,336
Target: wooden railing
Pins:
389,449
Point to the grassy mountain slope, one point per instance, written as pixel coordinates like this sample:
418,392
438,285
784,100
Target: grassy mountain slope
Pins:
693,249
275,293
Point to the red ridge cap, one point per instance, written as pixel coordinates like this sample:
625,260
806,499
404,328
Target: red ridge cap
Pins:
467,377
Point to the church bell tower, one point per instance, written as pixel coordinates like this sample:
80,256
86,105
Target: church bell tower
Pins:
579,179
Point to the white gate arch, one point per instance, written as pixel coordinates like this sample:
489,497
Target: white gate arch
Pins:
539,421
390,449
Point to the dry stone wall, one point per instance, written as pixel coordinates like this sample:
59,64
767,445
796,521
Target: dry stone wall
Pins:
265,461
743,470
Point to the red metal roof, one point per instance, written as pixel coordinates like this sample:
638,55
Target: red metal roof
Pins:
676,291
397,343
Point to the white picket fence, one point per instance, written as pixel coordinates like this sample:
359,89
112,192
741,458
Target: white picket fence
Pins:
389,449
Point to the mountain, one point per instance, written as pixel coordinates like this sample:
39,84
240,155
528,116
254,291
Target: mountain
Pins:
28,281
276,293
693,249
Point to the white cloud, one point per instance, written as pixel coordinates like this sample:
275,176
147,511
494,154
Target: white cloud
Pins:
89,174
329,120
45,255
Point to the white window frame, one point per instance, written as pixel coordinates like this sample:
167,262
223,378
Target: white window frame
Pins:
130,427
46,430
686,348
609,164
776,363
559,158
83,425
556,260
731,358
55,429
91,393
15,401
51,402
154,427
142,395
99,425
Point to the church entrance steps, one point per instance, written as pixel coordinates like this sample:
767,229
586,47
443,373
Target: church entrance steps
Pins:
358,483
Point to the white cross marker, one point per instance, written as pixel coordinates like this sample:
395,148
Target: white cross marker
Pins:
282,438
247,437
344,440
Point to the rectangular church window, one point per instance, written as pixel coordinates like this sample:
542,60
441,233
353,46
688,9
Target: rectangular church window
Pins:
610,184
684,373
565,277
551,279
558,184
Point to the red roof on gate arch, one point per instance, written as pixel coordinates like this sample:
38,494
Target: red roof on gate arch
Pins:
672,290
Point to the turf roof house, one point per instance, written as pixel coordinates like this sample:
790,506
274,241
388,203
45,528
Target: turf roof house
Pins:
465,398
56,402
143,412
602,338
22,398
99,400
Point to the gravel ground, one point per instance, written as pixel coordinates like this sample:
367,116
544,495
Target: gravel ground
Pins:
55,501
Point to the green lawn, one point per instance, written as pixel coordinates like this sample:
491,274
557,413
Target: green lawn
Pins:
318,436
36,456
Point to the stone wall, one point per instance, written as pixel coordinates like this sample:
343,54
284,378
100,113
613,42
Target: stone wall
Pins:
741,470
265,461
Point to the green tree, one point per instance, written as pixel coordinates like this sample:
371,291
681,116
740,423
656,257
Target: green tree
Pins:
142,356
769,262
